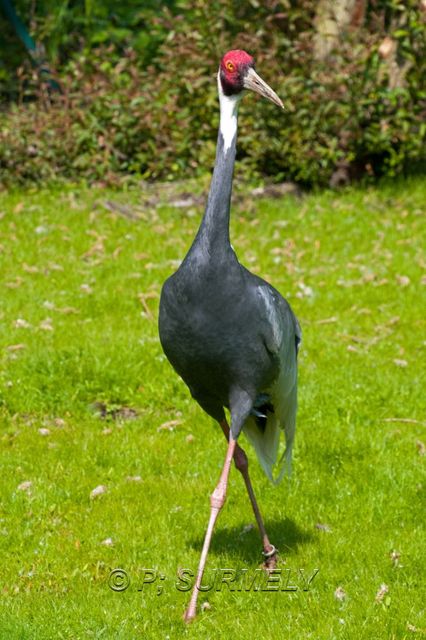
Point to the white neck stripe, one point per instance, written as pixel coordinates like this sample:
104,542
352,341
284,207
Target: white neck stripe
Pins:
228,115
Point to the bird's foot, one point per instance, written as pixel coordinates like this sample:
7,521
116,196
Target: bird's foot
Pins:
271,557
189,614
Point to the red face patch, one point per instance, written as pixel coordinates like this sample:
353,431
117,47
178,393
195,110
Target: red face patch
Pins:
234,59
233,66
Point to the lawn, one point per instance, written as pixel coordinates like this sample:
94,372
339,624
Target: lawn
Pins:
107,463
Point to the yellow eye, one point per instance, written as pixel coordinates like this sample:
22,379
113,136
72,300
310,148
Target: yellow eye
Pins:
230,66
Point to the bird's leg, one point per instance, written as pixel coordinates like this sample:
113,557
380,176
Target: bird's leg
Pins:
241,462
217,500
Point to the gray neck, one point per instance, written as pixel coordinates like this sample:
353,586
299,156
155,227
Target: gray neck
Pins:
213,234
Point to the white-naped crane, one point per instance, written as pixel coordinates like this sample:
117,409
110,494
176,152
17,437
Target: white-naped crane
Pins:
229,334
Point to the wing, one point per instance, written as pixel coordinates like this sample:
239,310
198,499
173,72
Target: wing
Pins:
281,334
278,323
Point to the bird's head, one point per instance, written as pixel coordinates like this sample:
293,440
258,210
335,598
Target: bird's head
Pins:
236,73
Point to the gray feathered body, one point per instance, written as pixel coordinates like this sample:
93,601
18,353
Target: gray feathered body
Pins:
230,335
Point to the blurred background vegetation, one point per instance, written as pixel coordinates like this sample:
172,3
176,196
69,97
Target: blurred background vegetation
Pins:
138,92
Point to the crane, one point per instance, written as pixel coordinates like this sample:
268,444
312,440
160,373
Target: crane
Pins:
229,334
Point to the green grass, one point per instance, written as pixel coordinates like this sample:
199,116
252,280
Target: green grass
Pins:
78,326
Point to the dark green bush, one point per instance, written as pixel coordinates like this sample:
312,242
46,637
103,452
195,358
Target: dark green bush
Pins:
63,28
358,110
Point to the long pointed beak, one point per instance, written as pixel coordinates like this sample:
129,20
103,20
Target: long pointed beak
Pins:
254,82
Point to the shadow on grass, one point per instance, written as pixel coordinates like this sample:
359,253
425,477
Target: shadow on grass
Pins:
284,534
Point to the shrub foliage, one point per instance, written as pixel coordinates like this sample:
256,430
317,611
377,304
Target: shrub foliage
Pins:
144,103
